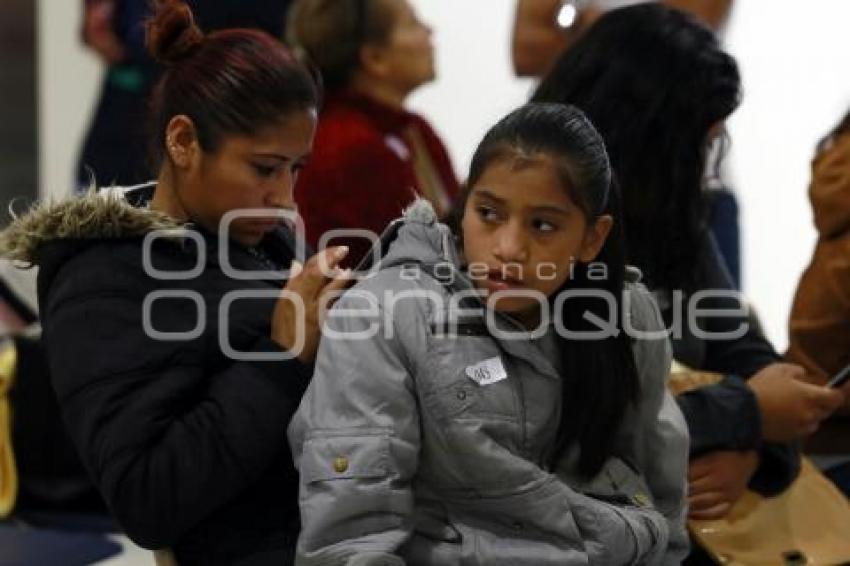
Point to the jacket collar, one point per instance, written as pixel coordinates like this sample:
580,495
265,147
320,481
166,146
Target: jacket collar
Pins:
105,215
53,232
419,239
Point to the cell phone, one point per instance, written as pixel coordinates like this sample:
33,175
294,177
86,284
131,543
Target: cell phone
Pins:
839,378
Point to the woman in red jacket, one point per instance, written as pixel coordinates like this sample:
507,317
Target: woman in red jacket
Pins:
371,156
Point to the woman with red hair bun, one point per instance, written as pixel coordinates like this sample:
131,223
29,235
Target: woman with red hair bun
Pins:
177,372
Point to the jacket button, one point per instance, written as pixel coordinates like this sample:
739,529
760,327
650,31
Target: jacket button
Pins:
517,526
461,394
642,500
340,464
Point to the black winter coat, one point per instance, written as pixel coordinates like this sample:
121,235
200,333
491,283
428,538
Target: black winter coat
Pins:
186,444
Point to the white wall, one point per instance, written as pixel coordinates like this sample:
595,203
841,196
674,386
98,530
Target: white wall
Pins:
476,85
68,82
793,60
797,84
795,63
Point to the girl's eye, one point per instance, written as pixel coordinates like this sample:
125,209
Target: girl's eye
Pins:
544,225
488,214
264,170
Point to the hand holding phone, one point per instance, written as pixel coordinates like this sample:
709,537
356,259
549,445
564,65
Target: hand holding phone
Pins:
840,378
791,408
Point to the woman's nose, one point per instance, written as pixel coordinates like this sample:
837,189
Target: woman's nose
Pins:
283,193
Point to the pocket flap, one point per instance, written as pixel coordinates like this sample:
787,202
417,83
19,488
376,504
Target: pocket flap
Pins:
617,483
337,457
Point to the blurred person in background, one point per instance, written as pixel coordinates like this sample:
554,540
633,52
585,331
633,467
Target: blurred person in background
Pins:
372,157
544,28
819,327
659,87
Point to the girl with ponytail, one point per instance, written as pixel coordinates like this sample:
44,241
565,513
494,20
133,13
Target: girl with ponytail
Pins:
495,393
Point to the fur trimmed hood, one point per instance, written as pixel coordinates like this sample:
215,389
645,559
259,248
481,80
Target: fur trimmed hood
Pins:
93,216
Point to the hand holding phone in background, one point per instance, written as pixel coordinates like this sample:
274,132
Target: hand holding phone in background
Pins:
790,407
841,382
839,379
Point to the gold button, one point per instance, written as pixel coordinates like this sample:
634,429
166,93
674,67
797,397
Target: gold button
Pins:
340,464
642,500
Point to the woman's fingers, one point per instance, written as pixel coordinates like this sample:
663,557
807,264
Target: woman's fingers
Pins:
315,285
700,468
707,500
826,400
334,289
309,280
295,269
339,282
703,485
711,513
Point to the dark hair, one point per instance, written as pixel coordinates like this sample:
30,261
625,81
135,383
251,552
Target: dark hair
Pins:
331,33
653,81
600,376
229,82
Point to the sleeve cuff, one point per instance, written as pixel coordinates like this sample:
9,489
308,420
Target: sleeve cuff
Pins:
779,466
724,416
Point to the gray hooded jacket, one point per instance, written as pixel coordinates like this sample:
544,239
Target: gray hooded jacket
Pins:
421,447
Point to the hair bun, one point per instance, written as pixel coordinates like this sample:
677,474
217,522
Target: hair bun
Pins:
171,32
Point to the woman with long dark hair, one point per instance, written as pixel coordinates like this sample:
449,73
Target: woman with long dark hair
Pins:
658,87
543,29
176,363
490,395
